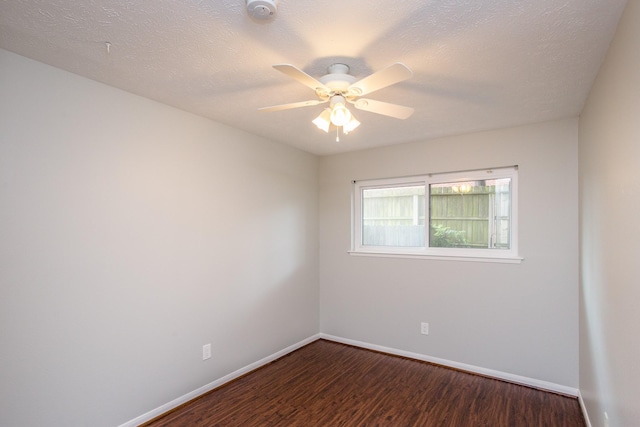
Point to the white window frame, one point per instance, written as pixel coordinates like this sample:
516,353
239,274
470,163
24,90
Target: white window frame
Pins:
463,254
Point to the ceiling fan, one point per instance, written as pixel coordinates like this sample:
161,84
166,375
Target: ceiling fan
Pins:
338,88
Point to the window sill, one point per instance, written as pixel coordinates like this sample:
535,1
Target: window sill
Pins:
503,260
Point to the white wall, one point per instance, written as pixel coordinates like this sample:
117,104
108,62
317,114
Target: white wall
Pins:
519,319
610,234
131,234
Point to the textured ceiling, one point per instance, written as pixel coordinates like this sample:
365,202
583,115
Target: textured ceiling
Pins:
478,64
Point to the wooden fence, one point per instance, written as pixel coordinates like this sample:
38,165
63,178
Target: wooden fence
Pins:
479,218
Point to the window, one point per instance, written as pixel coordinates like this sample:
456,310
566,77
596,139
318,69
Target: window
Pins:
461,214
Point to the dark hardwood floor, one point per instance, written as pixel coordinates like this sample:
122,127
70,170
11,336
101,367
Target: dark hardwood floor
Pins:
331,384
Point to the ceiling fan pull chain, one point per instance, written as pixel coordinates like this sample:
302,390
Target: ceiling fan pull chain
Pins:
337,134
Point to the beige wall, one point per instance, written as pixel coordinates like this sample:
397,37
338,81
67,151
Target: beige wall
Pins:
520,319
610,235
131,234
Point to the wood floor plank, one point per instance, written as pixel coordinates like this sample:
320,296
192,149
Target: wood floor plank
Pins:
331,384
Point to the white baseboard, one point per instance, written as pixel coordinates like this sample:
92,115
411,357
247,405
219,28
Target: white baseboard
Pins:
517,379
583,408
217,383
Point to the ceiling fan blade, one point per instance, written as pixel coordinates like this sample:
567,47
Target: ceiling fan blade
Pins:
304,78
386,77
384,108
293,105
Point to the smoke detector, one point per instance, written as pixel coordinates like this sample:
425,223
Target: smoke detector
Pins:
263,10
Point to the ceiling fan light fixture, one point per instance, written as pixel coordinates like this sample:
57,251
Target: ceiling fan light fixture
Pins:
353,123
340,114
323,121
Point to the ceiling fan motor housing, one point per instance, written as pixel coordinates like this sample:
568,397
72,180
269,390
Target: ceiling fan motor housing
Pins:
264,10
338,78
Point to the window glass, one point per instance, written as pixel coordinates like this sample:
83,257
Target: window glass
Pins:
458,214
470,214
393,216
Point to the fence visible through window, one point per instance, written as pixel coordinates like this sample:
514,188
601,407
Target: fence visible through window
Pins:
472,214
394,216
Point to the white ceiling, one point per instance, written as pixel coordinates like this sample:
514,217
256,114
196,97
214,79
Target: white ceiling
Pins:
478,64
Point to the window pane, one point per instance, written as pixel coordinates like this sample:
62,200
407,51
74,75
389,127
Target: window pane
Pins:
470,214
393,216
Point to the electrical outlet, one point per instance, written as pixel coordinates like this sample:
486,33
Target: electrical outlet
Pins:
206,351
424,328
